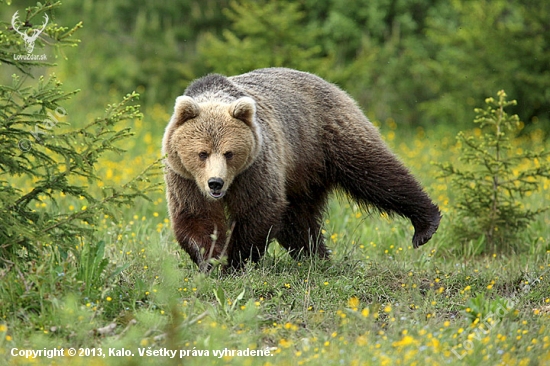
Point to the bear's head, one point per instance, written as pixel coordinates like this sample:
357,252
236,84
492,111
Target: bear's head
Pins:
212,142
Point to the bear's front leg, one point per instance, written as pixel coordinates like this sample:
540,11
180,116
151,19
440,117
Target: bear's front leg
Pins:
203,238
199,225
252,231
248,241
300,233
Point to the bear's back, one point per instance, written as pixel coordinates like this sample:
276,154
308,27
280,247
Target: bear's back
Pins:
293,101
292,87
307,112
292,96
301,102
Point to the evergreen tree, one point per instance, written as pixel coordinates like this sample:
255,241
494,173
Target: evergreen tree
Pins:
263,34
43,159
494,179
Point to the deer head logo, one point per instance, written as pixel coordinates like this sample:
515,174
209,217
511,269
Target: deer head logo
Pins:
30,35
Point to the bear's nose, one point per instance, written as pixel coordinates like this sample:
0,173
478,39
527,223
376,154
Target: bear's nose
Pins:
215,184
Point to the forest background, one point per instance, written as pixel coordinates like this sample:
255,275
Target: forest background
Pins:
421,63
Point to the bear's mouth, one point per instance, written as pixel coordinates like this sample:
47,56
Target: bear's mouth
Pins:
216,194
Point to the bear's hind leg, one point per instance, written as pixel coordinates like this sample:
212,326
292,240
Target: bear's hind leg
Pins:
379,179
300,233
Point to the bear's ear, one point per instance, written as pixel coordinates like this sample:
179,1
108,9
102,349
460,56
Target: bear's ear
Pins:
185,109
244,109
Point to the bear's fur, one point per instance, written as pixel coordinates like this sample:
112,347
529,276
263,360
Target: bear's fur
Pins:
253,157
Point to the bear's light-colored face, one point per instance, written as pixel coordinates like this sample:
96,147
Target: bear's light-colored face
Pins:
212,142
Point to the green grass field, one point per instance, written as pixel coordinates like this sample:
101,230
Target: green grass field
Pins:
131,297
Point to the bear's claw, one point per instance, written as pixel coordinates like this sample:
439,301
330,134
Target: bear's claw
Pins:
422,236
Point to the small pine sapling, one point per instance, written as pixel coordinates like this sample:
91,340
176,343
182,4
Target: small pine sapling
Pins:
494,179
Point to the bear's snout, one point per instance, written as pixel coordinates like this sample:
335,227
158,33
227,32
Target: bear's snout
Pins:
216,185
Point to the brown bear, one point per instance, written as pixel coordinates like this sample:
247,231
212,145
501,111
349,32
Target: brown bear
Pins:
253,157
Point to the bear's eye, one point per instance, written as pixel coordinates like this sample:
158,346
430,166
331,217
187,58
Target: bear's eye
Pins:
228,155
203,155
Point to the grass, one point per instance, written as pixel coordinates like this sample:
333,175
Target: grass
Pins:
377,301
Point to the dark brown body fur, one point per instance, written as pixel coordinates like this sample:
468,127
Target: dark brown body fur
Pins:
314,139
